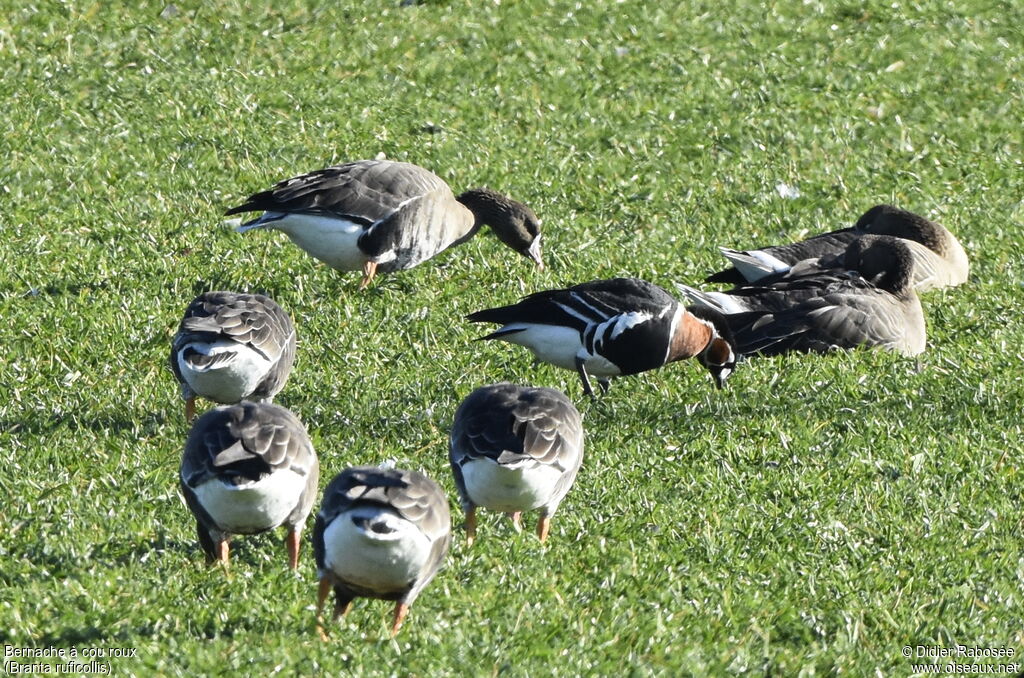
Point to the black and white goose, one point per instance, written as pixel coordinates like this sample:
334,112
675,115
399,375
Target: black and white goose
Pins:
871,301
379,216
613,327
939,258
514,449
381,533
232,346
248,468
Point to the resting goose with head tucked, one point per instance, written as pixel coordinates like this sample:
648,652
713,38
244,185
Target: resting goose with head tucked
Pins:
613,327
939,258
870,301
248,468
514,449
379,216
381,533
232,346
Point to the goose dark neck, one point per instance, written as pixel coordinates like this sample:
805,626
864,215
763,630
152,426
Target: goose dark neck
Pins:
884,260
512,222
889,220
488,207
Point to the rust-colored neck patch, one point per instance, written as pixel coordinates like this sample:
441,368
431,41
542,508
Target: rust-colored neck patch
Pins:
691,337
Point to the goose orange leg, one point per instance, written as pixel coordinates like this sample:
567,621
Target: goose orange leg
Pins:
543,527
470,525
221,554
369,271
292,540
401,610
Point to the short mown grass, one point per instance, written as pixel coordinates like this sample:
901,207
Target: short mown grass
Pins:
814,518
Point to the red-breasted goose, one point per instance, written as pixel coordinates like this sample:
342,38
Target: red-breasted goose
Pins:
514,449
230,347
869,302
379,216
381,533
939,258
248,468
613,327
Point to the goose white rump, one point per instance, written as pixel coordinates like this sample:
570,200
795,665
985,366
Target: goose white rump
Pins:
375,548
254,506
235,374
513,488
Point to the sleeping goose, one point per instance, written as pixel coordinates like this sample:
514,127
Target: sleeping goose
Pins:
248,468
869,302
232,346
379,216
514,449
381,533
613,327
939,258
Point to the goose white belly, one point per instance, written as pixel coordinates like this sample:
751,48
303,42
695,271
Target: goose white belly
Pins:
230,381
522,487
245,509
559,346
333,241
385,559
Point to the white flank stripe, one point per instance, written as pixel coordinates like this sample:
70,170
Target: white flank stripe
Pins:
573,312
627,320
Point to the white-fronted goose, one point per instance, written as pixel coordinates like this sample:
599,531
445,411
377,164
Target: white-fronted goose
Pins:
248,468
870,302
379,216
613,327
514,449
939,258
232,346
381,533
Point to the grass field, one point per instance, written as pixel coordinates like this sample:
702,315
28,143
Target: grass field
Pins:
814,518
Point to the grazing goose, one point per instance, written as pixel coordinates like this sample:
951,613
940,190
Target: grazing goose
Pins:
870,302
612,327
230,347
381,533
514,449
939,259
248,468
379,216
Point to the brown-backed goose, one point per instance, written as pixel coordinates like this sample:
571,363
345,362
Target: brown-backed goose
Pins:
232,346
613,327
939,258
381,533
248,468
514,449
379,216
869,302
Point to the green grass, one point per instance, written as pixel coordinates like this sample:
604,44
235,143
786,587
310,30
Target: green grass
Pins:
812,519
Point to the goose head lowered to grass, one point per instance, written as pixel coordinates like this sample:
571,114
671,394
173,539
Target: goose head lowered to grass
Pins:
380,216
232,346
613,327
